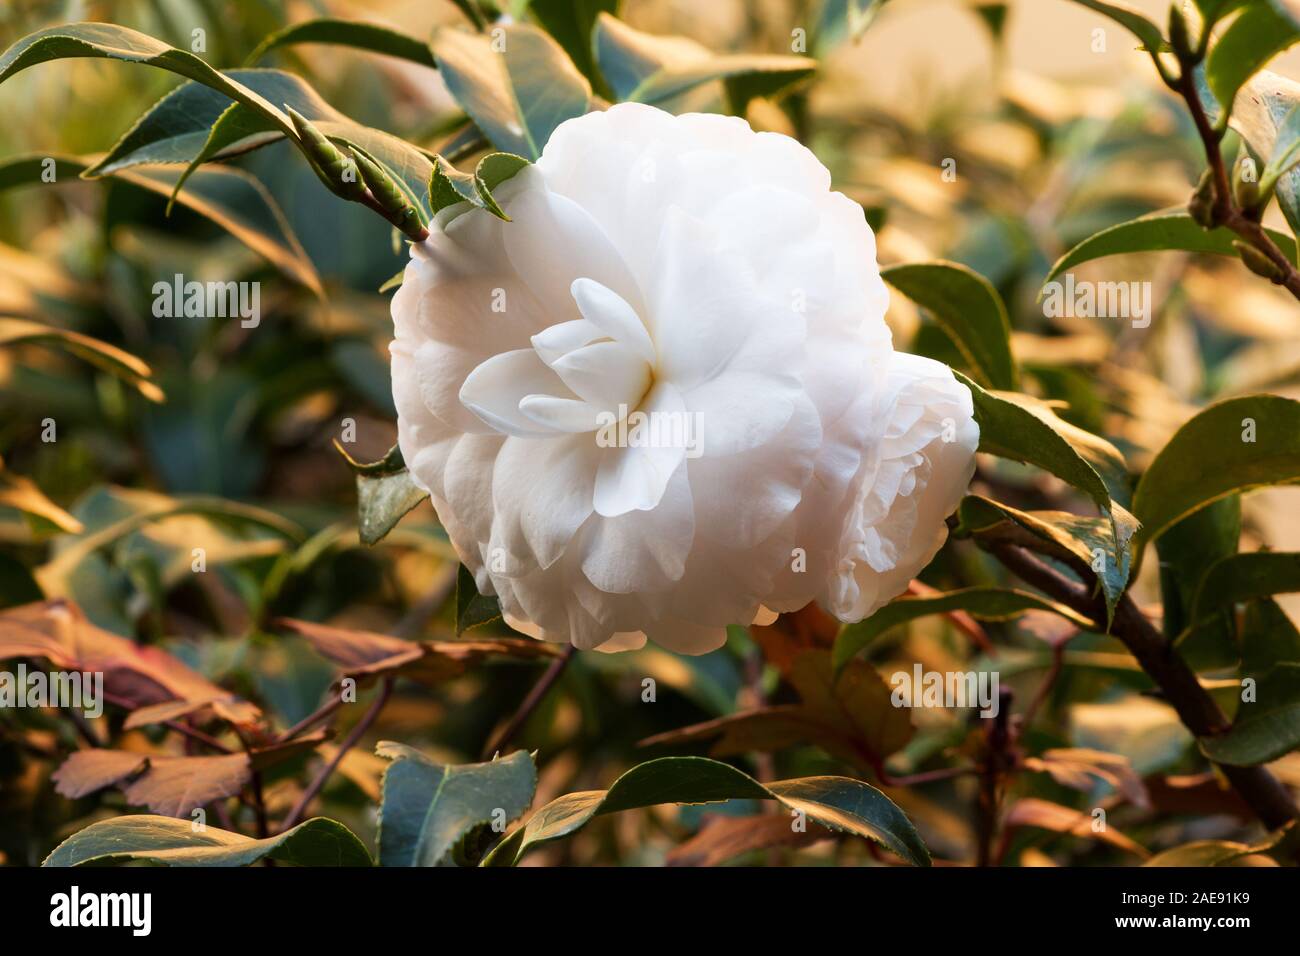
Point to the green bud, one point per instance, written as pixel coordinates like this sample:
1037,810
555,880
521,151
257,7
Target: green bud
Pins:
391,200
336,168
1201,206
1179,37
1256,261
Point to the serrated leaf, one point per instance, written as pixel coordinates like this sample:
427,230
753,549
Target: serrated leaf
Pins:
518,96
1021,428
113,42
357,34
169,842
427,808
987,603
1208,459
385,493
1261,31
839,803
1167,229
644,68
969,309
472,608
1078,535
449,186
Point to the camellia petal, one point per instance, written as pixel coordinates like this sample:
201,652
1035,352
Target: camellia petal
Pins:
662,399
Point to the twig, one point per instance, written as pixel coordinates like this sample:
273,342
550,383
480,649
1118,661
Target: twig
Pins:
530,703
1267,797
362,725
312,719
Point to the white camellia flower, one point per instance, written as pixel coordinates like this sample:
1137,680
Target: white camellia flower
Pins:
663,398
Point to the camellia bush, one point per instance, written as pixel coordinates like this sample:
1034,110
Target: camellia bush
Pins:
564,434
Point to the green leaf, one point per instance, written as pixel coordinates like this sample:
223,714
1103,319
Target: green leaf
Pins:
986,603
448,186
357,34
1261,31
643,68
1266,117
385,493
110,358
1264,734
167,841
1023,429
1163,230
229,197
1210,458
1132,20
1076,535
1268,726
516,97
109,41
428,810
1186,551
836,802
1245,577
861,14
472,608
571,23
969,309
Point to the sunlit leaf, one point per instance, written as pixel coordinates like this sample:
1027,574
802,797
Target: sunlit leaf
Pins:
169,842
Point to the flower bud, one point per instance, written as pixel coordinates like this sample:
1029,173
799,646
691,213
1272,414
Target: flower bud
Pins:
1201,206
1256,261
336,168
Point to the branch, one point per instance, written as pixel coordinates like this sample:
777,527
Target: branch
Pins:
355,734
529,704
1267,797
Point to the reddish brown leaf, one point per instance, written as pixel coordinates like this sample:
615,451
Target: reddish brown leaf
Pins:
172,786
89,770
1032,812
137,675
791,634
365,654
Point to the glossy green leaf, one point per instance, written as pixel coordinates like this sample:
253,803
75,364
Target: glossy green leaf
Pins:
969,309
167,841
1088,539
1021,428
449,186
1261,31
1234,446
571,23
472,608
644,68
1132,20
113,42
986,603
1164,230
385,493
1245,577
839,803
428,810
517,96
1186,551
357,34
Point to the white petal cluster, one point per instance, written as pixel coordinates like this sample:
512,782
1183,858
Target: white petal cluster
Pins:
662,399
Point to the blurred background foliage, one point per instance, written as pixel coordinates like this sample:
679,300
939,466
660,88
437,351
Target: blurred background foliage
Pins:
1052,141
